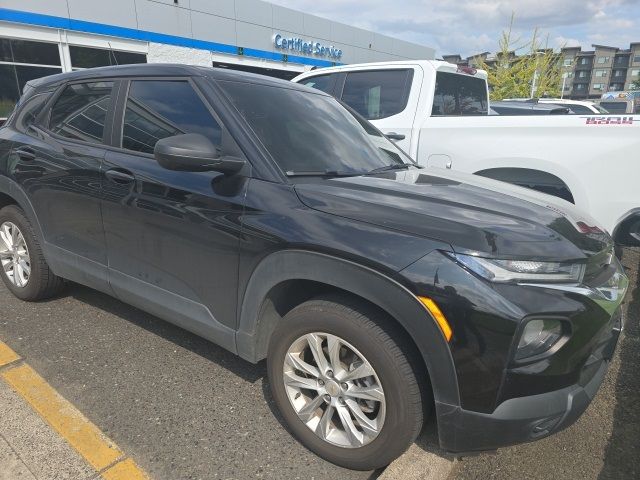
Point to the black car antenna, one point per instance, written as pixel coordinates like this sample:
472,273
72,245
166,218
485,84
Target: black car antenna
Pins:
111,52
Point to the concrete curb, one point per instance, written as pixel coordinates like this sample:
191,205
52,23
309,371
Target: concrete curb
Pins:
423,461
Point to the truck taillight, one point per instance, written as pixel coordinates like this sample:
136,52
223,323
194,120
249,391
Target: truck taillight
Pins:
467,70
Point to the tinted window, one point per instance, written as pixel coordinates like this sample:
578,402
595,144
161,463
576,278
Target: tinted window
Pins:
26,51
377,94
28,111
326,83
459,95
81,110
308,132
580,109
14,76
9,92
85,57
161,108
615,107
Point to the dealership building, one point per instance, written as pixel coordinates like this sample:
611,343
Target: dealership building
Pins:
39,38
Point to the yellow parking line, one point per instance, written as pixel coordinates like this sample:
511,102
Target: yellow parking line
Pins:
7,355
125,470
87,439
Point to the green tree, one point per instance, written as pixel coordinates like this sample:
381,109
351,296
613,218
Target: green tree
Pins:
523,67
635,85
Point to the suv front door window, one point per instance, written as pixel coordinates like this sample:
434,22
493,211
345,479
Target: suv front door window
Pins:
171,235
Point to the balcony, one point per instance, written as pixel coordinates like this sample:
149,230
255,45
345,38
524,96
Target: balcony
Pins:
621,62
585,66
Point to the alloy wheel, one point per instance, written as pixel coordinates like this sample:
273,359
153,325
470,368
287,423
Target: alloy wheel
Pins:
14,255
334,390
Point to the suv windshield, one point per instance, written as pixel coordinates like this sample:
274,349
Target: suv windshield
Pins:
311,133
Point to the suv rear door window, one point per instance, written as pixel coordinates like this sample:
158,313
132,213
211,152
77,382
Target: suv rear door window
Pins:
163,108
81,110
326,83
459,95
377,94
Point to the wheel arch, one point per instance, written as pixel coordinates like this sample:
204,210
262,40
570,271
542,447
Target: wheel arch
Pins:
12,194
297,275
530,177
622,231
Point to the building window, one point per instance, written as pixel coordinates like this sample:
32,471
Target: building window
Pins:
21,61
602,60
584,61
86,57
635,72
579,86
568,61
582,74
636,59
600,73
618,73
598,86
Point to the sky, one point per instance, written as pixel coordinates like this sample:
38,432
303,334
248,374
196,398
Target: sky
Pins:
473,26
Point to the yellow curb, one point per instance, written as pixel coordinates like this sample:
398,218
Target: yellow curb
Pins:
7,355
125,470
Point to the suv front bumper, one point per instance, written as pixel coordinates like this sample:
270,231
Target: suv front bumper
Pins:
525,419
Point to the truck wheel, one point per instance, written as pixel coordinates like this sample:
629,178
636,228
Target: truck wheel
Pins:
24,269
343,380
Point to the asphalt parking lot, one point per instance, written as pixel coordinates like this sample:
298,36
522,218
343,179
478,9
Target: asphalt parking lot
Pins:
186,409
181,406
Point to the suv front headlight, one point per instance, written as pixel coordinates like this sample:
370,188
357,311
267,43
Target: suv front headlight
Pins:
517,271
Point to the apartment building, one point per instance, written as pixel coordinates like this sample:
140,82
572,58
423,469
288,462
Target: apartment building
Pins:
591,73
587,73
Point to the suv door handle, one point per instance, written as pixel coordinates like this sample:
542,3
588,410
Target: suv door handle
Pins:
25,153
120,176
395,136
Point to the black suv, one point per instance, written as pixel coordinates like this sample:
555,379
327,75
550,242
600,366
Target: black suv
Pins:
277,223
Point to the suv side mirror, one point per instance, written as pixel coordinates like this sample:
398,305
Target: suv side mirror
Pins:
193,152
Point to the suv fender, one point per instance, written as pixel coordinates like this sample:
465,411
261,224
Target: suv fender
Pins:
254,331
13,190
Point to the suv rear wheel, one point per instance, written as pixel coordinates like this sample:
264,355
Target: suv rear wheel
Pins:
344,383
24,269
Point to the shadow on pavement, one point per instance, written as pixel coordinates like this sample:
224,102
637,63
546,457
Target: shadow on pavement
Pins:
198,345
622,455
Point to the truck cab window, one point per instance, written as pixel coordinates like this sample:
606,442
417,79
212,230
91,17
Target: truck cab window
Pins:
325,83
459,95
377,94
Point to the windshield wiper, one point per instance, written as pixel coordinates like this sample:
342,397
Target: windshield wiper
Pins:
387,168
320,173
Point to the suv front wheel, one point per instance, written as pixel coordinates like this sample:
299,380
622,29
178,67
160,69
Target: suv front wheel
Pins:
341,375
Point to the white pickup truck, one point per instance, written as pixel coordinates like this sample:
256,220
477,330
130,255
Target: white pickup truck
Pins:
438,113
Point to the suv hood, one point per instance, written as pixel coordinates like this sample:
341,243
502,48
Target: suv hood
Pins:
473,214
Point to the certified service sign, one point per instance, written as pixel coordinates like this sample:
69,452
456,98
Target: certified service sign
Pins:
306,47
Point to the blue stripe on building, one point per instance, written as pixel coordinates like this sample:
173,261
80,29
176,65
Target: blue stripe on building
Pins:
51,21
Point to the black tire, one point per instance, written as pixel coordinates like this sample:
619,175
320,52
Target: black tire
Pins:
42,282
377,337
